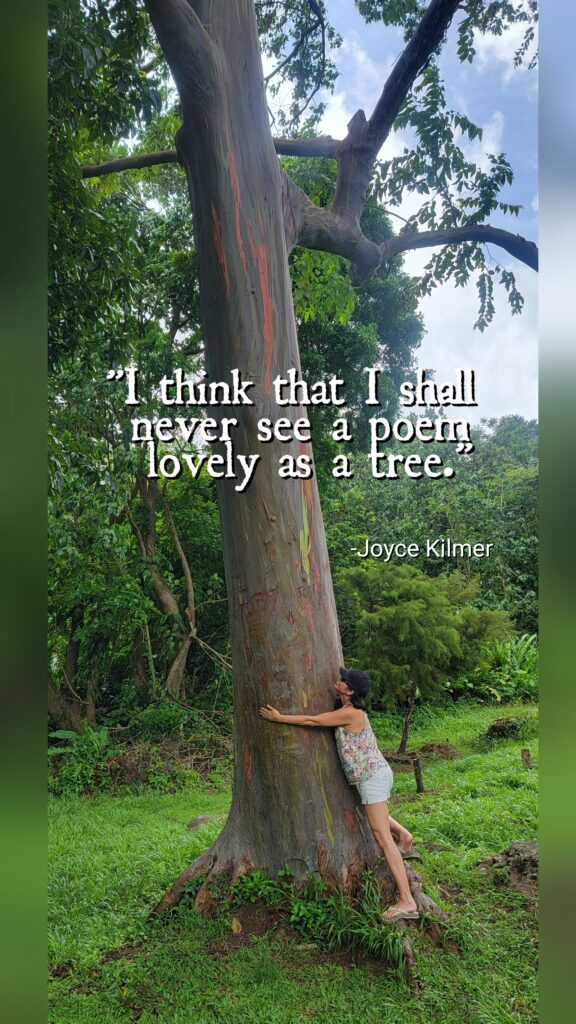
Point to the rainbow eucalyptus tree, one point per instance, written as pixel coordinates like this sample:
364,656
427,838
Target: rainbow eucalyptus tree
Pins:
291,804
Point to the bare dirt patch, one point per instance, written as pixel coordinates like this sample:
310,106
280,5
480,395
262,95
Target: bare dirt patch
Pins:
516,867
257,919
126,952
446,750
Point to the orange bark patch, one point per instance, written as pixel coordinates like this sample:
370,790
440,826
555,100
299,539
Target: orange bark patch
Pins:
351,821
219,246
248,764
260,255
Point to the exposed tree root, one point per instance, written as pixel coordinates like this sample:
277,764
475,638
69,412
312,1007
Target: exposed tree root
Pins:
225,860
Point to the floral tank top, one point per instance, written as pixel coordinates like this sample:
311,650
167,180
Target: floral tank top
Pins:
359,753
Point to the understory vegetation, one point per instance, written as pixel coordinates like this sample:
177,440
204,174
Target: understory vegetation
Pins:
114,854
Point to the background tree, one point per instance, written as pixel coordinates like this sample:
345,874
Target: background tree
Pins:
412,633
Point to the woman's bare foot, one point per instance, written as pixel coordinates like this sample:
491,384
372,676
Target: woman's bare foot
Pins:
405,842
402,909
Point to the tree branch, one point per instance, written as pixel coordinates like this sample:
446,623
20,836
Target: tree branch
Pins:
316,227
304,35
516,245
323,146
418,50
358,151
191,604
336,231
130,163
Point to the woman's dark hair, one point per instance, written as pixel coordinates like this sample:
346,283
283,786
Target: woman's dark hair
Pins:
355,700
358,684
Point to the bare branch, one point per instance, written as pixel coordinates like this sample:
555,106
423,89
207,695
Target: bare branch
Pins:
191,605
516,245
304,35
130,163
323,146
424,42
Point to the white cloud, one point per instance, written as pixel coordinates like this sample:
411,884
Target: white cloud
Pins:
505,356
359,86
534,203
498,52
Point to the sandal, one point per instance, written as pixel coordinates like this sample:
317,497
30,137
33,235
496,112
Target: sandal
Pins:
401,915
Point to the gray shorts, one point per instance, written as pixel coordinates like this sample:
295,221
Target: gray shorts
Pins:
377,788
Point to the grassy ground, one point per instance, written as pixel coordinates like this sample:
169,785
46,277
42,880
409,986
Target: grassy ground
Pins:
113,856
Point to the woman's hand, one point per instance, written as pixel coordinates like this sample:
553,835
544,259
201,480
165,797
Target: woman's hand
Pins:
270,713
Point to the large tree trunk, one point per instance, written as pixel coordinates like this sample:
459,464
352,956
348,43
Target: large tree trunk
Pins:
291,803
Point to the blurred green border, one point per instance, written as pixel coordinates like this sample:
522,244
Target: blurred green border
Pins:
22,510
23,611
558,543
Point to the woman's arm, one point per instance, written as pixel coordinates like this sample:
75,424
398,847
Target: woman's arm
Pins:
343,716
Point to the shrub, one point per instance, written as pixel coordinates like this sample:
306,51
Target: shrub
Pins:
140,766
89,761
158,720
73,766
507,672
517,727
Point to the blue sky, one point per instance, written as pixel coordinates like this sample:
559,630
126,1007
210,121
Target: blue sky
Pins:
503,100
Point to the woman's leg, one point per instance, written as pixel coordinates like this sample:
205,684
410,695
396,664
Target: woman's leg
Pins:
404,836
379,821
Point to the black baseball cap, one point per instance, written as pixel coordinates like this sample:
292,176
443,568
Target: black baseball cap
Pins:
356,679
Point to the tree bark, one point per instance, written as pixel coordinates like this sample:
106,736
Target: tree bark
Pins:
65,714
184,625
406,728
91,688
65,705
139,670
418,775
291,803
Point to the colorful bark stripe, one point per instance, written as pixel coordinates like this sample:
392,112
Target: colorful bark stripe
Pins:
219,246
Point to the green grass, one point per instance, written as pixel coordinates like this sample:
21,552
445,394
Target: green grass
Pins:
112,857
